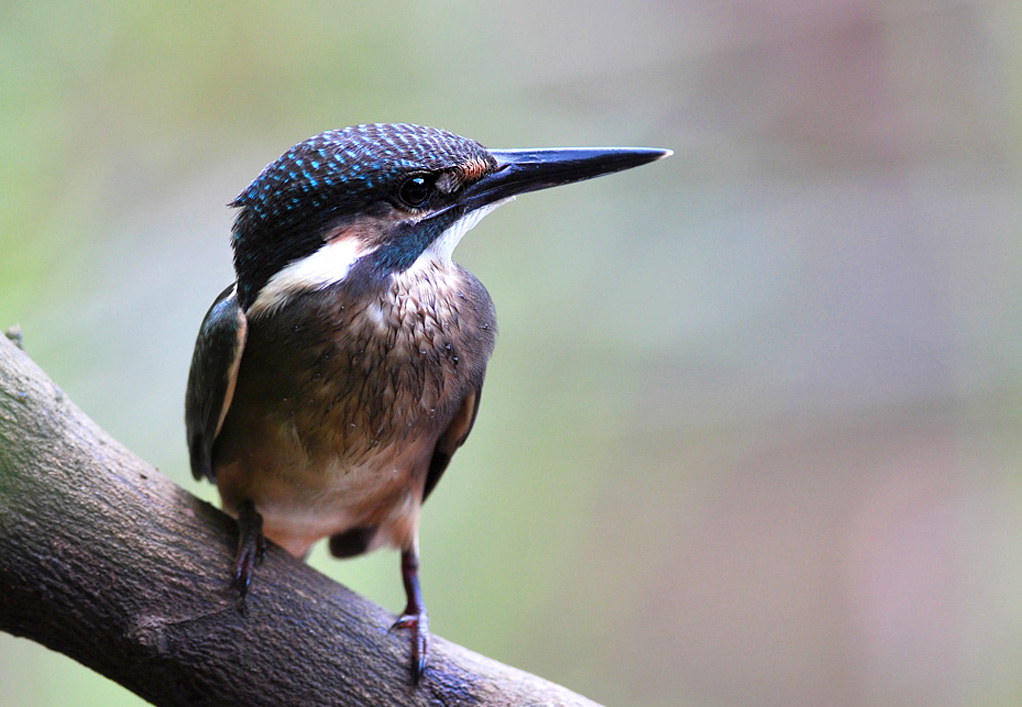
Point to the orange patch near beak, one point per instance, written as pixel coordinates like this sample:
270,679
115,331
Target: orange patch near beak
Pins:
474,169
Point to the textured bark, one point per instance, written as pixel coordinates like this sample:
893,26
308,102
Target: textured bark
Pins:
104,559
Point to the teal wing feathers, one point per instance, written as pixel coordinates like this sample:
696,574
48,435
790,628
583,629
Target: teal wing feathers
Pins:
214,371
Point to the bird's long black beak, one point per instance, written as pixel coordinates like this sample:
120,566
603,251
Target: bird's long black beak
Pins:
521,171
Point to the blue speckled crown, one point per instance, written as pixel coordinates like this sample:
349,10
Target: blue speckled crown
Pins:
339,167
330,175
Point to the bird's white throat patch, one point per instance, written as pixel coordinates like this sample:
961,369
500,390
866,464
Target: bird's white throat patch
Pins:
333,261
442,248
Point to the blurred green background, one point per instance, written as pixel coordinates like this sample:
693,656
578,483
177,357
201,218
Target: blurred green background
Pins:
751,432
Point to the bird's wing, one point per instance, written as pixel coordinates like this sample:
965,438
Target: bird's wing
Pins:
452,438
211,379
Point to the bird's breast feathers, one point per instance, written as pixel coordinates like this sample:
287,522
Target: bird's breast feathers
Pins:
340,399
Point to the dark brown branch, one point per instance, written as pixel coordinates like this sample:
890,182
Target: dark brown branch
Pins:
104,559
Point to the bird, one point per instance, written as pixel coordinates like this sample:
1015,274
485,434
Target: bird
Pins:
334,379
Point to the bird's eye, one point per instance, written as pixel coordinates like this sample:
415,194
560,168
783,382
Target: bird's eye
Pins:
416,190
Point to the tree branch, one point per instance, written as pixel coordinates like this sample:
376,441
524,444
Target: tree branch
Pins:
106,560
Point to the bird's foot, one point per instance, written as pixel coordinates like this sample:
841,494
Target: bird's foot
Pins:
251,548
418,622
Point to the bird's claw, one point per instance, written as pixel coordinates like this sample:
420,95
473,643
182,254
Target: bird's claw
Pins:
250,556
251,549
419,624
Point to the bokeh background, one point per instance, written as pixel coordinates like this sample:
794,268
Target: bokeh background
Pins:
751,435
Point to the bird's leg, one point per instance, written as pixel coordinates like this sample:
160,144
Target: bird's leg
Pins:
414,616
251,547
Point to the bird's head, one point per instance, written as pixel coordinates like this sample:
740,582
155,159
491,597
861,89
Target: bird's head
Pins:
383,196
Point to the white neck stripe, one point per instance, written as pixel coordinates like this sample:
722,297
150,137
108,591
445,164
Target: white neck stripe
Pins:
333,261
327,266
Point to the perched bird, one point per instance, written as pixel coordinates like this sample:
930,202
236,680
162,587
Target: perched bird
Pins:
333,381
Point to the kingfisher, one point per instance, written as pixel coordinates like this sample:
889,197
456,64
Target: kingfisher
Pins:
332,382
